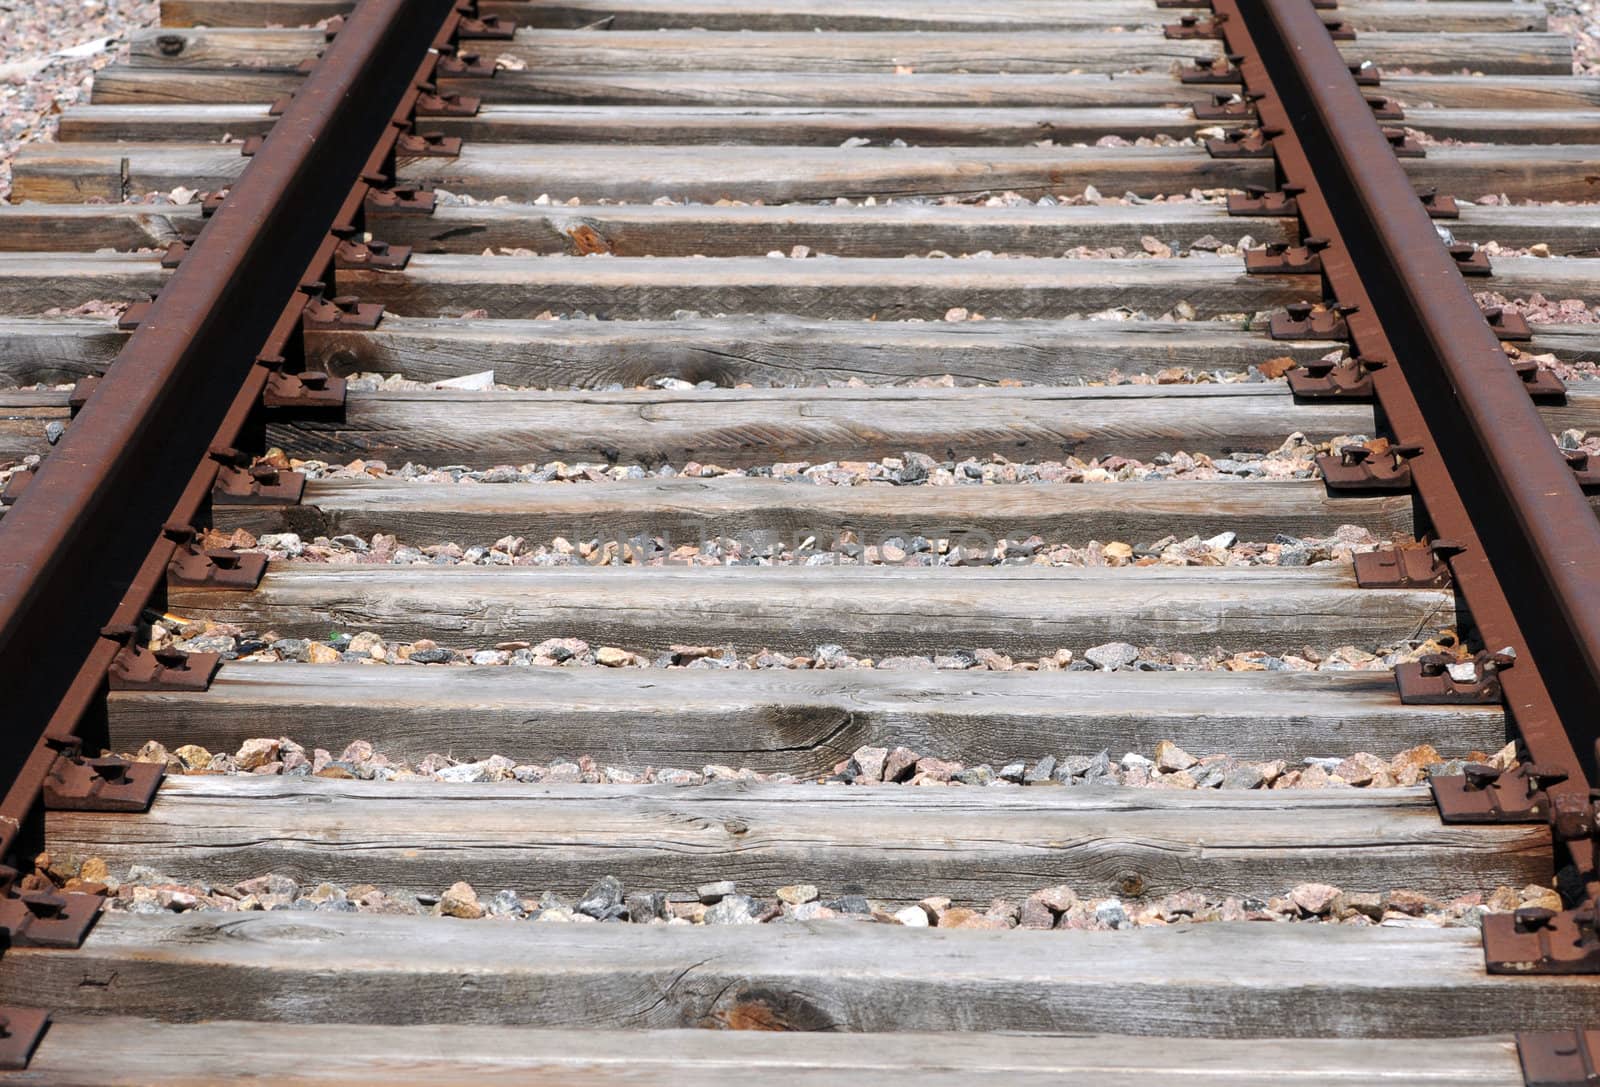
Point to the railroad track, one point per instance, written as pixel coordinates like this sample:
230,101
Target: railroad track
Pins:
531,529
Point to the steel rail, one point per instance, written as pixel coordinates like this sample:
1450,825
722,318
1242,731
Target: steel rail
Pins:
83,546
1488,474
1530,514
1523,545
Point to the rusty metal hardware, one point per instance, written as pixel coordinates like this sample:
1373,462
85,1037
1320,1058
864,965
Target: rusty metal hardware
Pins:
1541,941
1407,567
1278,258
428,145
1358,468
1470,260
1192,27
345,313
1439,207
1542,385
1260,200
1585,468
20,1031
372,254
309,390
81,391
485,28
1507,324
46,918
401,200
76,783
210,567
280,104
1243,143
174,254
1212,70
211,201
1559,1058
1306,321
1440,680
251,145
1386,109
1487,794
1403,145
258,485
463,65
138,668
433,103
1227,107
1338,31
1365,73
1320,379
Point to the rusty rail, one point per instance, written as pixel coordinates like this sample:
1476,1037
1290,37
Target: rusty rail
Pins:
1502,503
89,541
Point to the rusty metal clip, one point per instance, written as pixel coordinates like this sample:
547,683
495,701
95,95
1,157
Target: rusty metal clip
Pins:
1338,31
1470,260
1385,109
174,254
1584,467
46,918
137,668
20,1031
1402,145
1543,386
1541,941
1407,567
1208,70
372,254
1191,27
240,483
401,201
1366,73
345,313
1279,258
1507,325
431,103
306,391
1559,1058
1439,207
1440,680
1243,143
211,567
251,145
76,783
211,201
1229,107
1320,379
1260,200
485,28
1487,794
1308,321
1357,468
427,145
461,65
280,104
